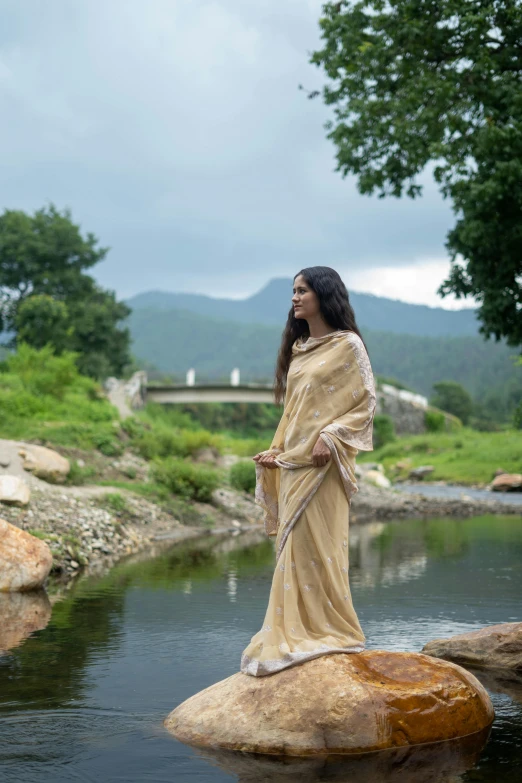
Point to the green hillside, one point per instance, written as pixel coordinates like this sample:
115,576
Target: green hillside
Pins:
174,340
270,306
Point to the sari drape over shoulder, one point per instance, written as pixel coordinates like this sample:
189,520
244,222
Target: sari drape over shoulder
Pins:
330,394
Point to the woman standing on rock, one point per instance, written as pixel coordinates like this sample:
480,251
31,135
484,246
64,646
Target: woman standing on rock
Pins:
306,479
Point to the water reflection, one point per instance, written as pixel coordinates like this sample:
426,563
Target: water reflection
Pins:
85,697
441,762
21,614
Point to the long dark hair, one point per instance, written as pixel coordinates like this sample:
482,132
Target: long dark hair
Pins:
336,311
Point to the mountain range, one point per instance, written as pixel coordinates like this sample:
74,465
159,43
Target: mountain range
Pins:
416,345
271,305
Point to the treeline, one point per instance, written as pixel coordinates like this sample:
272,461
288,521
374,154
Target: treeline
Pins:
171,341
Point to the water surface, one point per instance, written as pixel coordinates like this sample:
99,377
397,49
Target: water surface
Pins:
83,699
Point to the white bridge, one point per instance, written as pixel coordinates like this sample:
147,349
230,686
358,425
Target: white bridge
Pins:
251,392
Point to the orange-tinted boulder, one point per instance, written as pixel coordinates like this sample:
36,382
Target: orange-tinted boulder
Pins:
337,704
25,561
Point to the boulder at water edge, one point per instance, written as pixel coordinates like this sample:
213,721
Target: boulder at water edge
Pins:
337,704
45,463
494,647
25,561
14,491
21,614
507,482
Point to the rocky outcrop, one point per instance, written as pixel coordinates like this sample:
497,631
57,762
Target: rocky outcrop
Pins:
25,561
14,491
337,704
45,463
507,482
494,647
21,614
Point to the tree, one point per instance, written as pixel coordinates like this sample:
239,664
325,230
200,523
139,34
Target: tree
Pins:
453,398
420,81
41,320
46,297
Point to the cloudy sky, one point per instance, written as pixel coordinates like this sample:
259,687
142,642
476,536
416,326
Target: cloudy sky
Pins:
175,131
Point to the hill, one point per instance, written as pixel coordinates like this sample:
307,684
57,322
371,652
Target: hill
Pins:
271,304
174,340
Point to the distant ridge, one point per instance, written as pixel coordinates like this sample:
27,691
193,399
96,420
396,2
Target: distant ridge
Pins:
271,304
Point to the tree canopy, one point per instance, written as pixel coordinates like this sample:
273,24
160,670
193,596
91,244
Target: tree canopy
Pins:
452,398
414,82
47,297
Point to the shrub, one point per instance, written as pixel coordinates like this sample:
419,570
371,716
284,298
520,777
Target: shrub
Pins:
115,502
243,476
162,441
196,482
434,421
383,430
41,372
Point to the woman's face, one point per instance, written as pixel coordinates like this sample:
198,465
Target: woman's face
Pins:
304,300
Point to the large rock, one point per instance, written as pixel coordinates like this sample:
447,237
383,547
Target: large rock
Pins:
337,703
25,561
21,614
507,482
45,463
376,478
14,491
494,647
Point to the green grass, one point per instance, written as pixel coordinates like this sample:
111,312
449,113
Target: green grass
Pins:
464,457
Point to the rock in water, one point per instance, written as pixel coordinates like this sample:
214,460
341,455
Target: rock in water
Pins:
45,463
507,482
14,491
21,614
25,561
494,647
337,704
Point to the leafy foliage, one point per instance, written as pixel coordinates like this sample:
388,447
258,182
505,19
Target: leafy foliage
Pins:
434,421
383,430
47,297
420,81
44,397
186,479
243,476
453,398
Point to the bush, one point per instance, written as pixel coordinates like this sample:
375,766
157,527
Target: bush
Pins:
383,430
434,421
243,476
162,441
195,482
41,372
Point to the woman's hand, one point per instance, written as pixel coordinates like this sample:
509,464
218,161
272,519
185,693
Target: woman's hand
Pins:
266,460
321,453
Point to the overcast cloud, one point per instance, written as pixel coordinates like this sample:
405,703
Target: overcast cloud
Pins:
175,131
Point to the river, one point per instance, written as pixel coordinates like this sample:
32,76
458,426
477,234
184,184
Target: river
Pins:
83,699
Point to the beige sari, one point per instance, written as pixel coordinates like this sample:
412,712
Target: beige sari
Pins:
330,393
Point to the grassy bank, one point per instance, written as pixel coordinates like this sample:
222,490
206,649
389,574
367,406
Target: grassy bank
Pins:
465,457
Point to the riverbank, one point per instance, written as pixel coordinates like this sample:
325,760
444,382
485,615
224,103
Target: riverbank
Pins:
90,528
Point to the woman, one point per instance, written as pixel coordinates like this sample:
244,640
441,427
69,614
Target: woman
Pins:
306,479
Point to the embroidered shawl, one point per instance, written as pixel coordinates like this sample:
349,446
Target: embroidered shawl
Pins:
330,393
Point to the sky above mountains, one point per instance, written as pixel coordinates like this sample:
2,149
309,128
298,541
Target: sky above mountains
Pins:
175,131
